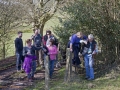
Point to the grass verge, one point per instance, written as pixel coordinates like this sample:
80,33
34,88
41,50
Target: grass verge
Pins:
107,82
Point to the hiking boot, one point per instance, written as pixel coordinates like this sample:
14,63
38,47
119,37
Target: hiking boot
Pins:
90,79
86,77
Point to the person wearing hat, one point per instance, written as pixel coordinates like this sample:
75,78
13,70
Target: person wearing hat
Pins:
90,49
75,47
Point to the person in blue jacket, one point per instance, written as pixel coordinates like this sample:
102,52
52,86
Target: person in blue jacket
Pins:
75,47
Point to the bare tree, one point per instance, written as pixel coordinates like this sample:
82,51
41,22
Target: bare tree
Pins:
40,11
10,13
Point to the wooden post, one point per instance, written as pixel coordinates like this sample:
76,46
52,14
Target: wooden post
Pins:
68,71
47,73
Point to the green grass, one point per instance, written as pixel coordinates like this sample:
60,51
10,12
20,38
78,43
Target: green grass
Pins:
102,83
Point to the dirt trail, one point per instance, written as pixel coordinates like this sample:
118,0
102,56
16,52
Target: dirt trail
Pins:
12,80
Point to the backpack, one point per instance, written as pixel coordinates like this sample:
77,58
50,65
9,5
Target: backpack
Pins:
37,40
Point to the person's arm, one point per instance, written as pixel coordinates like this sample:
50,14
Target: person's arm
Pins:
96,48
24,51
32,37
71,42
17,45
45,49
58,48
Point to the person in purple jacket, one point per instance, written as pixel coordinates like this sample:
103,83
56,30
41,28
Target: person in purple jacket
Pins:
29,64
75,47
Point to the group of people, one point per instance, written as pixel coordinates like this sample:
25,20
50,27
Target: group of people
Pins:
48,45
86,46
30,53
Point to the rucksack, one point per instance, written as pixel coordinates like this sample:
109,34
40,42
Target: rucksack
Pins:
37,40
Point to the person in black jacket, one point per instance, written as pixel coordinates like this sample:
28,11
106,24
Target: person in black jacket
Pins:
19,50
90,49
37,42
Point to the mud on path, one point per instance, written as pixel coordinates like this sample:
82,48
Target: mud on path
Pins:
12,80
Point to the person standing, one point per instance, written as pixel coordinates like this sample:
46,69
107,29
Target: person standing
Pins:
52,56
49,37
90,49
75,47
29,64
19,50
37,42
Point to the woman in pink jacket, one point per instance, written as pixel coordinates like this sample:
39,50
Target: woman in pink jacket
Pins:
52,56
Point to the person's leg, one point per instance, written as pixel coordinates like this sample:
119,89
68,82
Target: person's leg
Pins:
53,63
37,55
51,67
33,68
91,67
86,65
21,61
76,57
18,62
28,76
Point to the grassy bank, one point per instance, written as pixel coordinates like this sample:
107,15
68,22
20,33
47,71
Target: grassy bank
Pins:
110,81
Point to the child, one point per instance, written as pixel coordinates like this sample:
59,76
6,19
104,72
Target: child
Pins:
29,64
52,53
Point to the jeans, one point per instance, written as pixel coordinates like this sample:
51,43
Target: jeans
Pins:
33,69
51,67
89,66
19,61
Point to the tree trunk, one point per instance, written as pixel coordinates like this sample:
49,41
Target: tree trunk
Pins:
4,51
41,29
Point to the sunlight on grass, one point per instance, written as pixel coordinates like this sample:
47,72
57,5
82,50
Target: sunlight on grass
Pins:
101,83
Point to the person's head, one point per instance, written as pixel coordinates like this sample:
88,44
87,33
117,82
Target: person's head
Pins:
90,37
51,42
79,34
48,33
29,42
20,34
36,31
